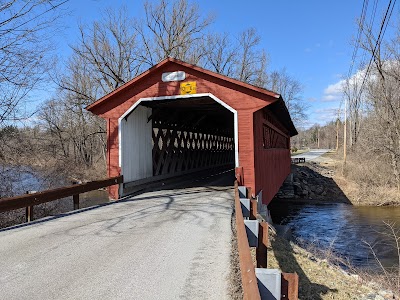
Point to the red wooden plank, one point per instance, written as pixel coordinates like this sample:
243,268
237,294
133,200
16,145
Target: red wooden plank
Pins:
290,286
12,203
253,208
249,280
261,251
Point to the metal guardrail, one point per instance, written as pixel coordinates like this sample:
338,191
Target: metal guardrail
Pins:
31,199
249,280
297,160
253,286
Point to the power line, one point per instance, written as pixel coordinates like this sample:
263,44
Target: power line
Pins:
357,41
382,31
373,14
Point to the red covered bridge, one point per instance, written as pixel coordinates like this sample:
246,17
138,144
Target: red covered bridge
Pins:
178,118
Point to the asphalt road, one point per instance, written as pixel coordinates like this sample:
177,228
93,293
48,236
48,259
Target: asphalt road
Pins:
172,244
313,154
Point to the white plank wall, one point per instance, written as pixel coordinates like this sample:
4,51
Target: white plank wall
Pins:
136,142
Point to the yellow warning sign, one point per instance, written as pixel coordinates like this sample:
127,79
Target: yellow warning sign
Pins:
188,87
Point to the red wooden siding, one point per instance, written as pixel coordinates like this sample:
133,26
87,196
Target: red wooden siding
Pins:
262,169
113,168
272,165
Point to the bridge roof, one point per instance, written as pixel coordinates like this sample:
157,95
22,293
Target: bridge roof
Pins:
268,98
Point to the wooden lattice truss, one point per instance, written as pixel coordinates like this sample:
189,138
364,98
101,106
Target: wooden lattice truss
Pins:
275,136
176,151
190,134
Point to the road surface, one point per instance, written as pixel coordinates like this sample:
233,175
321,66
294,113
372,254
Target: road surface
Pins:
313,154
171,244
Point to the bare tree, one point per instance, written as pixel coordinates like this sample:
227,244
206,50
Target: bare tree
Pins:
114,50
171,30
383,99
251,62
108,51
351,92
219,54
290,89
24,29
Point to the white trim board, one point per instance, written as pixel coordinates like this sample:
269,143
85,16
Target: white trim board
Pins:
137,103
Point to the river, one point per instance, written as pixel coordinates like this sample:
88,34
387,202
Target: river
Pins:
343,228
16,181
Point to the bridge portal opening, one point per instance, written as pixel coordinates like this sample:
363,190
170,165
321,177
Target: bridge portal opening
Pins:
165,137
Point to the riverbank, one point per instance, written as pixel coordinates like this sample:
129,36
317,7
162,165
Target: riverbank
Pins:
362,192
319,279
312,182
323,181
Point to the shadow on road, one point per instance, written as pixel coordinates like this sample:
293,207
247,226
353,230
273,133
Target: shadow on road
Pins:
188,200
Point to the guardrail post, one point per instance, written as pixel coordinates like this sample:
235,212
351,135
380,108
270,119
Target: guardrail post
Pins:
29,209
253,209
239,175
249,193
75,198
269,283
261,251
290,286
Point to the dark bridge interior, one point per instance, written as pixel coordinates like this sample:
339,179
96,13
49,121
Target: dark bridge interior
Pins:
190,134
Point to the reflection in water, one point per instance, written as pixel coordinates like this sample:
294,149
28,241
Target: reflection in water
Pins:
344,228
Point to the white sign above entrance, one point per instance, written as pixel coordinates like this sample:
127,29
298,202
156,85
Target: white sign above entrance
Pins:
173,76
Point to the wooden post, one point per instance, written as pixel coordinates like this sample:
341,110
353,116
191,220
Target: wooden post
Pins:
29,209
290,286
337,135
253,209
239,175
261,251
28,214
75,198
249,193
345,133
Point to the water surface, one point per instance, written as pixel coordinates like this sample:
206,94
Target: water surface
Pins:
343,228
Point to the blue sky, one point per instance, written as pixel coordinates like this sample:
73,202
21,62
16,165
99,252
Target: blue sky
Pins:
311,39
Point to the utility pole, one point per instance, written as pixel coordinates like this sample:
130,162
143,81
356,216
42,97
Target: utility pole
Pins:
345,132
337,135
318,136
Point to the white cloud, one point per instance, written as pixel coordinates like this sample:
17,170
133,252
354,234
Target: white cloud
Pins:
324,115
333,92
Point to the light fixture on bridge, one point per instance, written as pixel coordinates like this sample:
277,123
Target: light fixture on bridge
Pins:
173,76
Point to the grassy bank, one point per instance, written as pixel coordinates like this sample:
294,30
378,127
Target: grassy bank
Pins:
318,278
327,181
362,182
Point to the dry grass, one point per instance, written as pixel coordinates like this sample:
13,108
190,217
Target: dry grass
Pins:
317,278
360,194
364,182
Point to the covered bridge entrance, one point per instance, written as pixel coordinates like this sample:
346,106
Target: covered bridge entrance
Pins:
177,118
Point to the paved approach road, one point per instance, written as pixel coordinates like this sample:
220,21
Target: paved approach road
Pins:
171,244
313,154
